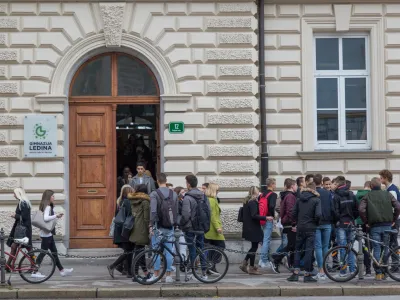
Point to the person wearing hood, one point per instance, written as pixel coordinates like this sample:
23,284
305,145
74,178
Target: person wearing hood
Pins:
252,230
139,236
288,202
190,202
346,211
306,213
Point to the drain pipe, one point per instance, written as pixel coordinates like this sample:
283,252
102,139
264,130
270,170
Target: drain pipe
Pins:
261,82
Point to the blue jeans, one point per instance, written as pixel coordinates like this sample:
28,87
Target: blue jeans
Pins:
199,243
154,241
377,234
344,236
322,242
267,228
284,242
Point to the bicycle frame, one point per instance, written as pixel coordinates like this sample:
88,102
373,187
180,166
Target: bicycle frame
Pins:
12,267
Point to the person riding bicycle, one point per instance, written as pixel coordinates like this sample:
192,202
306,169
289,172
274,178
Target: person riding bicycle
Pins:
164,206
379,209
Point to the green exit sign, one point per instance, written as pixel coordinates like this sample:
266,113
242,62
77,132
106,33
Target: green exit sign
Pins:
176,127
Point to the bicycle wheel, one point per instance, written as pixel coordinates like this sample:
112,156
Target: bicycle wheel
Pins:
210,265
338,270
393,259
31,271
145,263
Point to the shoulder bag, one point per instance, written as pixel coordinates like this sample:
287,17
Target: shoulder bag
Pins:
39,222
120,217
20,230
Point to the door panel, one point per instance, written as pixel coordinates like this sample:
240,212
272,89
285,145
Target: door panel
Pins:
91,180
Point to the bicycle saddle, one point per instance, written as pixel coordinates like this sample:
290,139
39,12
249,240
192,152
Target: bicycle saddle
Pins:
394,231
24,240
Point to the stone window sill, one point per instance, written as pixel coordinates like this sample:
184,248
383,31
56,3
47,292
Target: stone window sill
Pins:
341,154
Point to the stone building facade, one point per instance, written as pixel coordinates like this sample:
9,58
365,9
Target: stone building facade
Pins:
204,55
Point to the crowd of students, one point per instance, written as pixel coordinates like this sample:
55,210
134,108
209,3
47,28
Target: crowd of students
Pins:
317,213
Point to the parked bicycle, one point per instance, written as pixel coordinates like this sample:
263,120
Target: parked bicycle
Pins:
346,267
27,267
210,265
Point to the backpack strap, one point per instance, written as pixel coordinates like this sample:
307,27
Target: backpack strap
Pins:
160,194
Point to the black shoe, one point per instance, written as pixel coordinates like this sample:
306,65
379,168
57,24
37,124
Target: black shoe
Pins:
275,267
110,271
293,277
310,279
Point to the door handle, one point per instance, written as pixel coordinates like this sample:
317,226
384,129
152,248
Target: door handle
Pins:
92,191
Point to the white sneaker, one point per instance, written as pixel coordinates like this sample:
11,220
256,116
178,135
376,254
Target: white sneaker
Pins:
66,272
204,277
173,269
262,265
321,276
37,275
169,279
189,278
153,278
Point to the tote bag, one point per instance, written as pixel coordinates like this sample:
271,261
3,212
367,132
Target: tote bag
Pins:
20,230
39,222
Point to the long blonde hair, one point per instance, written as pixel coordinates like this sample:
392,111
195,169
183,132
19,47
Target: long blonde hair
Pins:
253,193
212,190
21,196
125,190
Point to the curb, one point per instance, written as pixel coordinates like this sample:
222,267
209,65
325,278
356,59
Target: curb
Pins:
208,291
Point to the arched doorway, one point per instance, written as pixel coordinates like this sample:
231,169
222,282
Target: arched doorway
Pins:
113,108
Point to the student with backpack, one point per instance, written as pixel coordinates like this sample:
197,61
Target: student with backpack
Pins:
267,203
163,218
196,216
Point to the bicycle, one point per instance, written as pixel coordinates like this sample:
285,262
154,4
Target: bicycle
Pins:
347,253
27,268
206,261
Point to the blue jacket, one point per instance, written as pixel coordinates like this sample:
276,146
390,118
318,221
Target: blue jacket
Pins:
393,188
327,207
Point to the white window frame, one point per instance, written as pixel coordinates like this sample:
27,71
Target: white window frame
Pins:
341,75
374,26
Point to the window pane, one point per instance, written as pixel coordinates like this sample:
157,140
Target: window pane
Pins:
327,124
94,79
356,125
356,92
327,93
353,54
327,54
134,78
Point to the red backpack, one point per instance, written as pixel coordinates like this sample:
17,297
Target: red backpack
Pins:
263,207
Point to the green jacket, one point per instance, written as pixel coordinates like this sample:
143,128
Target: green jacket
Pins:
360,194
215,222
140,204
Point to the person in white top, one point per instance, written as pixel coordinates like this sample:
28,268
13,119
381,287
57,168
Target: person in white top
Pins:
47,207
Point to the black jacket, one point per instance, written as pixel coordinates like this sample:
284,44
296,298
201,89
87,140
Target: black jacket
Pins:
346,207
251,221
327,207
25,213
118,238
307,211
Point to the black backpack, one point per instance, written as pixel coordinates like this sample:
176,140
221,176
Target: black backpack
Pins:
201,220
166,210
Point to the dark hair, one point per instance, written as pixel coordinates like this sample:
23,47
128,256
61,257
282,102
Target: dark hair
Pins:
340,180
162,178
141,188
45,199
311,185
326,179
309,176
299,180
205,184
140,164
348,183
169,185
386,174
367,184
318,179
192,180
178,190
289,183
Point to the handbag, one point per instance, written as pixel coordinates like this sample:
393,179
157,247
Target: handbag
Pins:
120,217
20,230
39,222
128,226
112,228
240,215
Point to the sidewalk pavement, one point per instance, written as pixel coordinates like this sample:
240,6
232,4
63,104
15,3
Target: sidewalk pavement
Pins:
90,279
